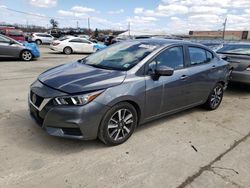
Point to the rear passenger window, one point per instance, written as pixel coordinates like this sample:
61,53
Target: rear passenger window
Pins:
197,55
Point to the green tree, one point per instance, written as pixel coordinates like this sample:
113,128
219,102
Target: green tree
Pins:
54,23
96,33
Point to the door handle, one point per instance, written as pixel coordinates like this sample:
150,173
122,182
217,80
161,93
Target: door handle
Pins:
214,66
184,77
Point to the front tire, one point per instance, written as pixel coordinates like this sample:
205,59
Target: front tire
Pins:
118,124
67,50
215,97
26,55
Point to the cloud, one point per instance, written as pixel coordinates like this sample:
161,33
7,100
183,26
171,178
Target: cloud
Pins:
138,10
43,3
80,9
116,11
207,10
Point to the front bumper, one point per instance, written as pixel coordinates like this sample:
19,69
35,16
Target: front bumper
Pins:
77,122
241,76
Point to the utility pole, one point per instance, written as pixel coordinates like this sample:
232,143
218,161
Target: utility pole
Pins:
89,26
224,29
77,26
129,29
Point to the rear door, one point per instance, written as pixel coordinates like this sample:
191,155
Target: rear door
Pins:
204,71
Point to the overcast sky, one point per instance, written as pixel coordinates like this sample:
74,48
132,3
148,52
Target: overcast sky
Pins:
172,16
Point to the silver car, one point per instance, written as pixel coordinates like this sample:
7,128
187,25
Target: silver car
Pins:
238,55
10,48
42,38
108,94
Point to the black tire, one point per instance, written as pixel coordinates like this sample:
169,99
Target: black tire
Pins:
26,55
215,97
113,132
38,42
67,50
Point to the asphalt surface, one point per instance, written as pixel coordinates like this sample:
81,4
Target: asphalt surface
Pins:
194,148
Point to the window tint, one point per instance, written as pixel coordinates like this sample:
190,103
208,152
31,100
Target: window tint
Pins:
172,57
79,41
4,40
235,49
197,55
209,56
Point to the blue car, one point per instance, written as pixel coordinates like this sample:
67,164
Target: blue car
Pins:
98,46
10,48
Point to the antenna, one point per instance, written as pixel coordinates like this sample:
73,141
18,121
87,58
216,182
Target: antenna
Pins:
224,29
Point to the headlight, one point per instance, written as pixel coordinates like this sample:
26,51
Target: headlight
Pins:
77,100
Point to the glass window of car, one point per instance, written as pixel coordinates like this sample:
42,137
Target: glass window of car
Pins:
210,56
121,56
78,40
241,49
14,32
172,58
198,55
4,40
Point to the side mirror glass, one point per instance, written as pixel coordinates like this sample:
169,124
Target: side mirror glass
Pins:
222,56
11,42
164,71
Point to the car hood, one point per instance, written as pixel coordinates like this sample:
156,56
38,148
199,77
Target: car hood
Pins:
79,78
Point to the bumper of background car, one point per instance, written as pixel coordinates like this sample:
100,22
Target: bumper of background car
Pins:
241,76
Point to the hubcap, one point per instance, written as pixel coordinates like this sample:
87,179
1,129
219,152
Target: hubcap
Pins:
26,56
120,124
216,97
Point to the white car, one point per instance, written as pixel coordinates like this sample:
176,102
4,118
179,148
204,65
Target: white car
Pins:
42,38
70,45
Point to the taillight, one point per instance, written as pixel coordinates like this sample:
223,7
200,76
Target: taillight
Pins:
248,68
55,43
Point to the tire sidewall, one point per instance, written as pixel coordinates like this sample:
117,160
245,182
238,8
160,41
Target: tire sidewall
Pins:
103,130
38,42
24,52
67,48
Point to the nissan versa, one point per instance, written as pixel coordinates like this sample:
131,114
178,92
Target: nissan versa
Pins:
107,94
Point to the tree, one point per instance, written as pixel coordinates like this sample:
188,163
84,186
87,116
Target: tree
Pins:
96,33
54,23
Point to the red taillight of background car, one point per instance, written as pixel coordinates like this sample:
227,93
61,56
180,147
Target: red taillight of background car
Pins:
248,68
55,43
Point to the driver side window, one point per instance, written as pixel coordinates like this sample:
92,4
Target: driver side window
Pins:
172,57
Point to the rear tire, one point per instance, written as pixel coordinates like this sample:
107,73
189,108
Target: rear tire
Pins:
215,97
26,55
67,50
38,42
118,124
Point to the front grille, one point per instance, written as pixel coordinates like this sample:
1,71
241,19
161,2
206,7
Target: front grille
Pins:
36,99
72,131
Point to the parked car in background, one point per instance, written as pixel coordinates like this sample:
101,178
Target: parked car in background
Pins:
13,33
42,38
10,48
108,93
69,45
238,55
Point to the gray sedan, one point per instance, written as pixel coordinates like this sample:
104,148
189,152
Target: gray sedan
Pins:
108,94
10,48
238,55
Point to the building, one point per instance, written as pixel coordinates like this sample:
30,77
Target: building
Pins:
229,35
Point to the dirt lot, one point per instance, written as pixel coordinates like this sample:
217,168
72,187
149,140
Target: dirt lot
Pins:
195,148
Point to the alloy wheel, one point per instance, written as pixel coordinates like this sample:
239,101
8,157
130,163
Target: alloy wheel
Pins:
26,56
216,96
120,124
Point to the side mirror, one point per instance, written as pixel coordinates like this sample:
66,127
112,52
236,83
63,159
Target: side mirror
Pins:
11,42
164,71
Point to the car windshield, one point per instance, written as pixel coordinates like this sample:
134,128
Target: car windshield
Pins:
235,49
122,56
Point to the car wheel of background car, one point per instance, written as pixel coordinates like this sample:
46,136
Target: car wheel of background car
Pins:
67,50
215,97
118,124
39,42
26,55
